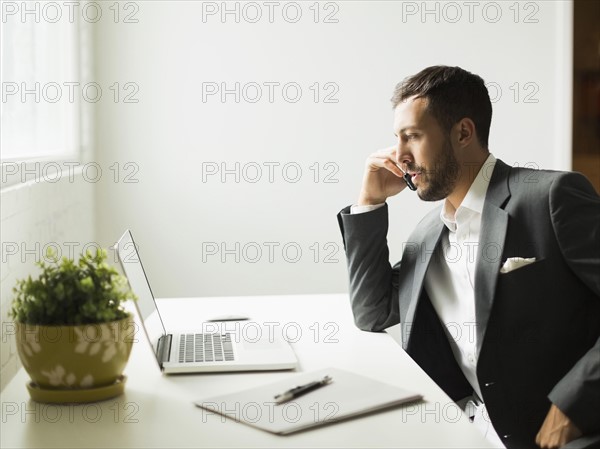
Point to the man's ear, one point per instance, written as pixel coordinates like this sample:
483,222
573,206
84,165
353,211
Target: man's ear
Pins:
465,131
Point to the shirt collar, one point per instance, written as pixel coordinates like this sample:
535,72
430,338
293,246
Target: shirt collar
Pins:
474,198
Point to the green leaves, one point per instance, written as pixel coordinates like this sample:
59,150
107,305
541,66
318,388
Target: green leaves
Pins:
71,293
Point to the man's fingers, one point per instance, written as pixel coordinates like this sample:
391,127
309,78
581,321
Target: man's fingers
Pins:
389,151
557,430
375,162
386,153
391,166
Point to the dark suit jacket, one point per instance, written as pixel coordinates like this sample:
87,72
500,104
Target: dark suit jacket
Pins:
538,327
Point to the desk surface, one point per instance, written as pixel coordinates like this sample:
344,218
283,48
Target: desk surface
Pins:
157,410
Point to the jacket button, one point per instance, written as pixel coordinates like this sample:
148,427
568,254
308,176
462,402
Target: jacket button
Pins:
488,384
506,437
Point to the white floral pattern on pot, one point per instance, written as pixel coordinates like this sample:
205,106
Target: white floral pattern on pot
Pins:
57,378
31,345
107,336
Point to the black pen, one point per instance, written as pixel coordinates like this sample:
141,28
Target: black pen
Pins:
301,390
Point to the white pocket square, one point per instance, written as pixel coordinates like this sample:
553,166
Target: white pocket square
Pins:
512,263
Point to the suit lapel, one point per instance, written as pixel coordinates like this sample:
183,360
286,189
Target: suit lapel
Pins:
494,222
423,258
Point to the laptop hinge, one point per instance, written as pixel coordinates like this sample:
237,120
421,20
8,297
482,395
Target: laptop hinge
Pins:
163,351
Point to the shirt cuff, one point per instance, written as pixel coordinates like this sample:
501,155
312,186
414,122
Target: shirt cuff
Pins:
355,209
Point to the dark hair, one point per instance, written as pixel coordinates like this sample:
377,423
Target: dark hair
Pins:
452,94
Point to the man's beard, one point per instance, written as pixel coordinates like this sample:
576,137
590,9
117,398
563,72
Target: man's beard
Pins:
441,180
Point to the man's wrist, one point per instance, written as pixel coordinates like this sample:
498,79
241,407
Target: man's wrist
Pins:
364,200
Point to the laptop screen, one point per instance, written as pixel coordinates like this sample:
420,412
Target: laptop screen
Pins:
145,304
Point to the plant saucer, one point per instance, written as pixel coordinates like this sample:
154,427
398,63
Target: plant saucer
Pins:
75,396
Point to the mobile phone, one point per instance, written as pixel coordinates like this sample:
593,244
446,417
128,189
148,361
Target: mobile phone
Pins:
408,179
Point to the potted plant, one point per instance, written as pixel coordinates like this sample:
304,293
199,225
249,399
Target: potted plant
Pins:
73,335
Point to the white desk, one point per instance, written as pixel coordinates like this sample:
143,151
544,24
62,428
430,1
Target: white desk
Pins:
157,410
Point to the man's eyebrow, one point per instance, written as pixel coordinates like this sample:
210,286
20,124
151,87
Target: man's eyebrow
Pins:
406,128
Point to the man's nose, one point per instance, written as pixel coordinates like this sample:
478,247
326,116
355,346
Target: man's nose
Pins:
403,155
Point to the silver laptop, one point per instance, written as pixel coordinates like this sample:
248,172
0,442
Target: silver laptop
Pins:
214,346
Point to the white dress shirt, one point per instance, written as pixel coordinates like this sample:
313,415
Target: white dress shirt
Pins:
450,278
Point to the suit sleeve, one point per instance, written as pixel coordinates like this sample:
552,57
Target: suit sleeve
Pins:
575,212
373,281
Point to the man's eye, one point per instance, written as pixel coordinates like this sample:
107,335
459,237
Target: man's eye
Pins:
411,136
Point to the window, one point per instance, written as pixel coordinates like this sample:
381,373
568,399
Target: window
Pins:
41,88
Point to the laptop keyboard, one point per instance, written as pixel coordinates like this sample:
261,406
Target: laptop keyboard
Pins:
205,348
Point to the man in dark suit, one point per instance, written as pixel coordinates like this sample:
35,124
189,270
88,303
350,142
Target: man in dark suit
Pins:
498,289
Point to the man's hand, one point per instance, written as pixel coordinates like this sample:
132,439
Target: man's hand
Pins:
382,178
556,430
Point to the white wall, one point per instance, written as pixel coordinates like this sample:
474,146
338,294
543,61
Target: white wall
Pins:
35,216
171,132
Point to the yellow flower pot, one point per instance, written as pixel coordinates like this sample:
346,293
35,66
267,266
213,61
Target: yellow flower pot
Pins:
65,360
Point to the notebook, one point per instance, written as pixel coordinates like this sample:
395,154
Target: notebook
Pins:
348,395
